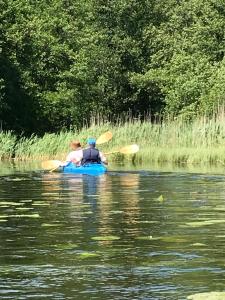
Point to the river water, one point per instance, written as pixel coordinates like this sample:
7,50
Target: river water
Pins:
137,232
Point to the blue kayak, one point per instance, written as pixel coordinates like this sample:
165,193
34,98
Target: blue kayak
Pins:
89,169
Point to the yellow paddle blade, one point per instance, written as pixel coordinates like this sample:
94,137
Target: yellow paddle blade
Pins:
104,138
130,149
50,164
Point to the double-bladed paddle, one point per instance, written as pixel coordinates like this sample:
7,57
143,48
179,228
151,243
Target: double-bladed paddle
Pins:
104,138
52,165
130,149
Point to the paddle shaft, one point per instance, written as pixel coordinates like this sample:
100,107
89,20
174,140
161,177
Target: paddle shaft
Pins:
52,170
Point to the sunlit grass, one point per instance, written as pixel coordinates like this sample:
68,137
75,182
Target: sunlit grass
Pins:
179,141
7,142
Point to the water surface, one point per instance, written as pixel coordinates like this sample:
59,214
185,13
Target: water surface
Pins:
138,232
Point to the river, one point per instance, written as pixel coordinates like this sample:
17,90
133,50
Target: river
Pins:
137,232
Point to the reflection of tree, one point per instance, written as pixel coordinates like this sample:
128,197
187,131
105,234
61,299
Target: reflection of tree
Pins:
129,186
109,199
119,203
105,206
127,205
51,183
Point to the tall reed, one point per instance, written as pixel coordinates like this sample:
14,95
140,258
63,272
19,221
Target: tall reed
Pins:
198,141
7,143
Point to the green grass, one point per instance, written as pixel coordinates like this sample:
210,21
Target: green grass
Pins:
7,142
199,141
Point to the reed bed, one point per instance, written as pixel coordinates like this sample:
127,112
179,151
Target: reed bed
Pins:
180,141
7,143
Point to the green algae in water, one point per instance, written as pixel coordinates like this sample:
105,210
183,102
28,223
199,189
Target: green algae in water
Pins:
160,198
208,296
26,201
204,223
105,238
15,179
40,204
4,216
147,222
87,212
50,225
198,244
11,203
24,208
34,216
5,270
50,194
85,255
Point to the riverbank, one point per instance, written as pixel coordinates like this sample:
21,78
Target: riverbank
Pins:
199,141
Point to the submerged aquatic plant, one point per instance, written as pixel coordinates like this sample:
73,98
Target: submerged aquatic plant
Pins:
204,223
105,238
85,255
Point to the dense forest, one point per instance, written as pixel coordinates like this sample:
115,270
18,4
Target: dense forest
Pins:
64,61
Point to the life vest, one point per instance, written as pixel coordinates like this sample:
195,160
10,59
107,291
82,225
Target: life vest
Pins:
91,155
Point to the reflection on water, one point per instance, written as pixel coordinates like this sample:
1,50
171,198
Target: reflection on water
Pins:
126,235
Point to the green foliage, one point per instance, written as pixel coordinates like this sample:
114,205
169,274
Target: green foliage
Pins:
188,52
63,62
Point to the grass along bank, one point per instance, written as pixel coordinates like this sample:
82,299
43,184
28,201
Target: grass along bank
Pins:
199,141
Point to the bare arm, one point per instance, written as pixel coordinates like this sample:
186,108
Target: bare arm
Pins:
103,158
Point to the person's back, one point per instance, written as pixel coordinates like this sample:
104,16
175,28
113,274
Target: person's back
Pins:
76,155
92,155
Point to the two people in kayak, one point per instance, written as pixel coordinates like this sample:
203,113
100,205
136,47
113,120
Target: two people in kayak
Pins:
85,156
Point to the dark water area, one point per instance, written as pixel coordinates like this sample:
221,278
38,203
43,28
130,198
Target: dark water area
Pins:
137,232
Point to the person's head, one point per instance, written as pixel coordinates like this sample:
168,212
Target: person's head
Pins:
75,145
91,142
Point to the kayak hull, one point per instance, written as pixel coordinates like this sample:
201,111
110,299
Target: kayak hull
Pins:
89,169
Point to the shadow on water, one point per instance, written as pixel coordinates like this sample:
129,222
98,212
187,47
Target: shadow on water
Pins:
138,232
